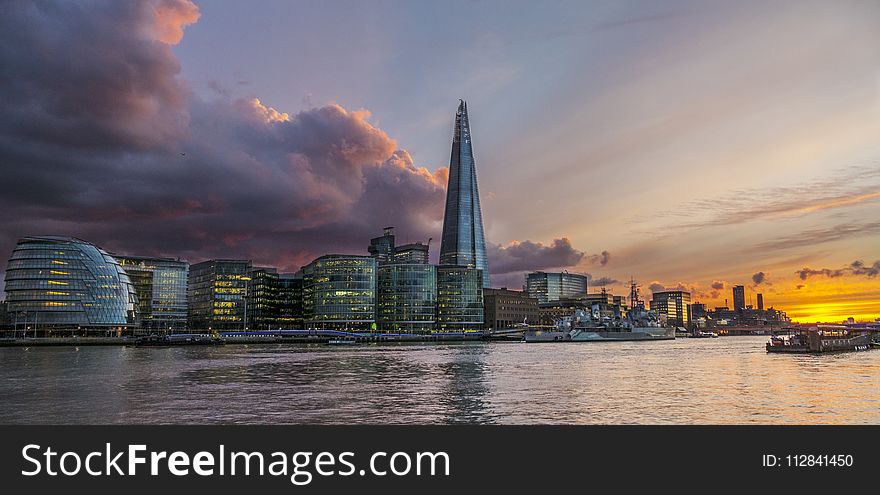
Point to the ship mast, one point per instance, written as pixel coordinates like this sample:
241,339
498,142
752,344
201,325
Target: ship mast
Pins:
633,292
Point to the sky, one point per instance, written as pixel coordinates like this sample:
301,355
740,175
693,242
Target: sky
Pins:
694,145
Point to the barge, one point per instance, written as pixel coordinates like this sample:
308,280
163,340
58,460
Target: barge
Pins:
820,339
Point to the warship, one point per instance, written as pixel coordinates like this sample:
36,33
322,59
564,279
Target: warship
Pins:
638,323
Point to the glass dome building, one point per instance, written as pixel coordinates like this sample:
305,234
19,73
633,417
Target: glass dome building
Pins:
63,283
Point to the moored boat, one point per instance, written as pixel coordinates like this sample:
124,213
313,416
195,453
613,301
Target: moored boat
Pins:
637,324
819,339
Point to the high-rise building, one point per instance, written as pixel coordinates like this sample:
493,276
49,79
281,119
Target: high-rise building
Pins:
407,297
339,293
411,253
385,251
58,284
161,289
382,247
290,300
459,299
216,294
548,287
675,304
263,299
463,242
760,302
739,298
503,308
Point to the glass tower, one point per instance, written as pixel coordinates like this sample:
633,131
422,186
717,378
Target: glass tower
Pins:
463,242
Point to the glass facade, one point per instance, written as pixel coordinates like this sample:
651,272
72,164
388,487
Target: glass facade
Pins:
675,304
161,289
62,283
463,242
459,299
290,300
216,294
548,287
263,299
339,293
407,297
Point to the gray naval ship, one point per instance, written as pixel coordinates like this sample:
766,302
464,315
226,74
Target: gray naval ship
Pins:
596,326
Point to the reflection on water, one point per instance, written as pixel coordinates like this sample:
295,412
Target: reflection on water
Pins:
724,380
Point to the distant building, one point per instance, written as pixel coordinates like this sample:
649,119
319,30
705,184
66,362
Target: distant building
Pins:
382,247
263,299
407,297
674,304
384,250
552,311
216,294
411,253
161,289
290,300
459,298
760,302
58,284
548,287
698,310
339,293
463,242
503,308
739,298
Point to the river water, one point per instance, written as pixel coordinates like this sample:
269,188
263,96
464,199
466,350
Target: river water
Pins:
727,380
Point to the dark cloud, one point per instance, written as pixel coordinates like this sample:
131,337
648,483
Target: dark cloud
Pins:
522,256
857,268
759,278
100,139
603,281
603,258
657,287
718,285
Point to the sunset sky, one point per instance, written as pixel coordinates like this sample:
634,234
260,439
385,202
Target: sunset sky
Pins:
686,144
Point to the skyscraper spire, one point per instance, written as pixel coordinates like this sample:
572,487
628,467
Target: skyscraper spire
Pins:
463,241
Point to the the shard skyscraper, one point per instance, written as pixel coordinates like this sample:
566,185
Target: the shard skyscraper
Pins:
463,242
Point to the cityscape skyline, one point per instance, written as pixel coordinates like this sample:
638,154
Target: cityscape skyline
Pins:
703,166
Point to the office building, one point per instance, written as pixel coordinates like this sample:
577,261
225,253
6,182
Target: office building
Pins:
216,294
290,300
739,298
674,304
548,287
503,308
459,299
382,247
463,242
63,284
339,293
263,299
161,290
760,302
407,297
415,252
